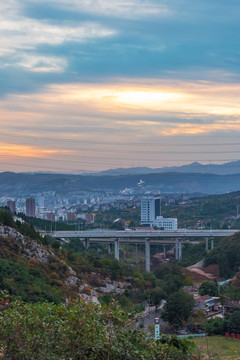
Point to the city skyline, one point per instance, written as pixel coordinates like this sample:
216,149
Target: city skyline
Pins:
94,85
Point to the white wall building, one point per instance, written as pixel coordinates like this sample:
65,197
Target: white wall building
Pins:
165,223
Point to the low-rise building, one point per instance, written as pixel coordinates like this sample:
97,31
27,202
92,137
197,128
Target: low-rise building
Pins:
208,303
165,223
231,305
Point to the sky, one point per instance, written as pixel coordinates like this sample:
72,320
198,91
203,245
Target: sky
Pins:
98,84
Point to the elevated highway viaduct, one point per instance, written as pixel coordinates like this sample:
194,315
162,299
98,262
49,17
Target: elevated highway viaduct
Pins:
154,237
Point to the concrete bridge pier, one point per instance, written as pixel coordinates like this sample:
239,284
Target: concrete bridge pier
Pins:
137,253
212,243
147,254
164,251
179,249
206,244
86,243
109,248
176,250
116,249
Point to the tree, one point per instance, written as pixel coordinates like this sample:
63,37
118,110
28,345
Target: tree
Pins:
56,244
234,322
216,326
197,320
208,288
6,217
178,308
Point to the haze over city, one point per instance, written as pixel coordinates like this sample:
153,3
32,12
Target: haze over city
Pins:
94,85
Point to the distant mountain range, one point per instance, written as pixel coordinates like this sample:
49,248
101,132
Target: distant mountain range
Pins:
17,184
195,167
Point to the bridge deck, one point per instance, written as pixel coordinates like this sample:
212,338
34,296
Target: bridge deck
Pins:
154,234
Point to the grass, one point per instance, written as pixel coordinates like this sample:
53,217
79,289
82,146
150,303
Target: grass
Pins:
217,348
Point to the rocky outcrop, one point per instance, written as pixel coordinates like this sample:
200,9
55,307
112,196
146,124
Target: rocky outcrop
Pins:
88,285
29,248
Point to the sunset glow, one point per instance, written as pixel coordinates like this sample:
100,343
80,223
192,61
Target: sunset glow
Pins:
112,79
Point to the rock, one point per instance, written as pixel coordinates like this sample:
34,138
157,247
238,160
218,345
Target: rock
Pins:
71,281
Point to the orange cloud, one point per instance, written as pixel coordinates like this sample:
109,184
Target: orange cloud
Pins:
26,151
141,106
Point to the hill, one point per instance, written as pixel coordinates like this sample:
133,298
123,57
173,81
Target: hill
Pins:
195,167
15,184
216,211
226,255
41,269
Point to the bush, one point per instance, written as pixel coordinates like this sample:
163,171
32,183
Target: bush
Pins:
216,326
234,322
80,331
208,288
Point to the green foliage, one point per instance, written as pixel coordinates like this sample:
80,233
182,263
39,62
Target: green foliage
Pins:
6,217
227,255
208,288
171,278
234,322
46,225
230,292
80,331
192,254
216,326
27,230
29,284
197,320
56,244
75,245
178,308
215,211
117,226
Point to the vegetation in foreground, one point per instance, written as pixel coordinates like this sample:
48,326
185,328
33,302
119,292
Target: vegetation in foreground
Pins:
80,331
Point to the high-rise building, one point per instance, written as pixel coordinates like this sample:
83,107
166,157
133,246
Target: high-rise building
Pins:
30,207
12,205
150,209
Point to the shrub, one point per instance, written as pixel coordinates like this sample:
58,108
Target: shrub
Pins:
80,331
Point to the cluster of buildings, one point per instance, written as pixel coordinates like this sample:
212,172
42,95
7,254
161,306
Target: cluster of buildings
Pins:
211,305
56,207
51,206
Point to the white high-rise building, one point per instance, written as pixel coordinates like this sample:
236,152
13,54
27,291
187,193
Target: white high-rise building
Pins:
150,209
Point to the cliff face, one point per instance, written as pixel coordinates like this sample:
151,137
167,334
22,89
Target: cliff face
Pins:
24,246
35,272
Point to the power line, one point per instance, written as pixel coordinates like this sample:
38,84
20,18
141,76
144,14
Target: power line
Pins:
95,157
90,142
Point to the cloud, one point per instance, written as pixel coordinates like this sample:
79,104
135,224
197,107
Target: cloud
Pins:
29,33
136,70
22,36
38,63
153,106
28,151
117,8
